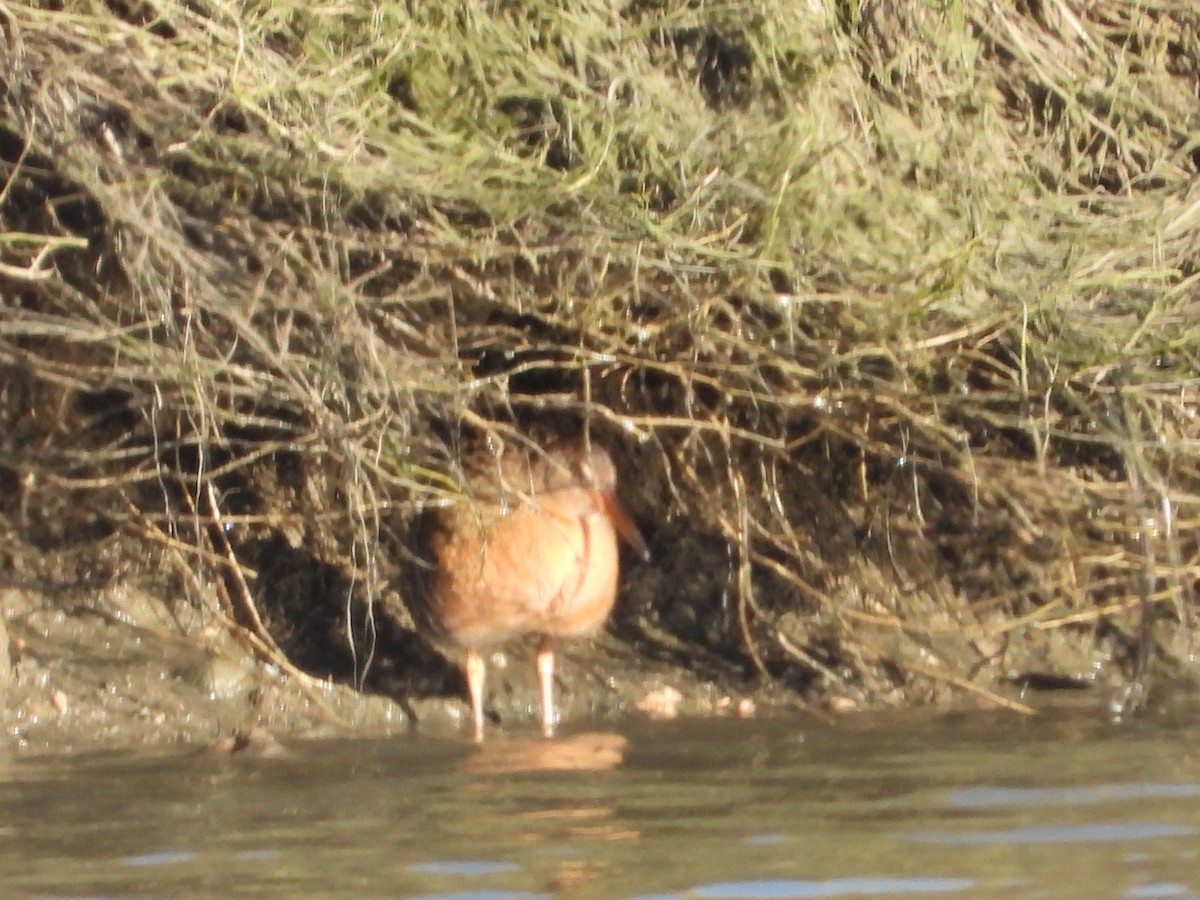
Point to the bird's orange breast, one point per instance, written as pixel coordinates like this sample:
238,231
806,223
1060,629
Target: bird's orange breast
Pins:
548,566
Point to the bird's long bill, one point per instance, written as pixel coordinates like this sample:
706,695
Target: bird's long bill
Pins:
624,524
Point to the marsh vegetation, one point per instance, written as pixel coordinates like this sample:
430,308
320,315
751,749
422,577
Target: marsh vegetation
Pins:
885,310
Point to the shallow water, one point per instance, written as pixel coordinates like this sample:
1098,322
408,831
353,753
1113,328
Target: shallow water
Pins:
980,806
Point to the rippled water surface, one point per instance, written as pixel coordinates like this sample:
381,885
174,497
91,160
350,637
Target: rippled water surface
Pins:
973,807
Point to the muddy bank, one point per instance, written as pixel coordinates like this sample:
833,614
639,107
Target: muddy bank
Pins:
119,666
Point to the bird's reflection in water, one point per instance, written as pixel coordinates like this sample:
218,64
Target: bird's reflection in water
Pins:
589,752
578,821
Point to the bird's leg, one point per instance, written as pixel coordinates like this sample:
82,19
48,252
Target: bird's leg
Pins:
476,670
545,671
